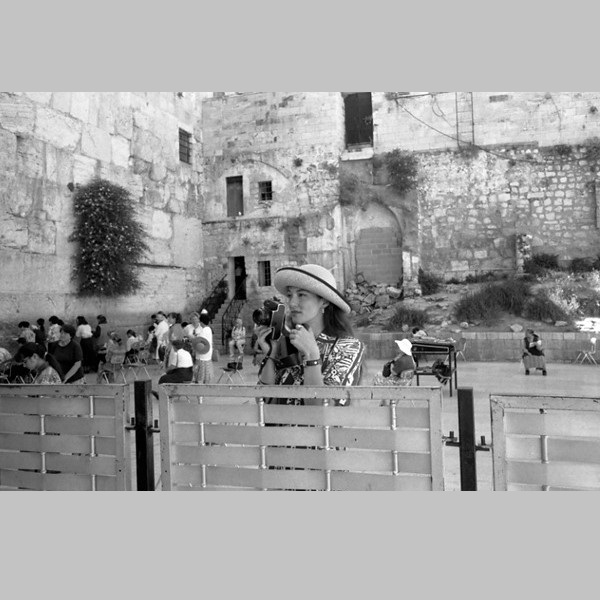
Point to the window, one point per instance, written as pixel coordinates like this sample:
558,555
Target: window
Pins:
265,191
185,146
235,197
264,272
359,119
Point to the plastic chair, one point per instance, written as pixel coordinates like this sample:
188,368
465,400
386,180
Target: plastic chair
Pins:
588,353
232,369
460,348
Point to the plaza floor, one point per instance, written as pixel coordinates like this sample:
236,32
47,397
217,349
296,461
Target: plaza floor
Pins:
484,378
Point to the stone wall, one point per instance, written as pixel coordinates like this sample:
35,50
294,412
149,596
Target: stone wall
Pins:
472,206
50,140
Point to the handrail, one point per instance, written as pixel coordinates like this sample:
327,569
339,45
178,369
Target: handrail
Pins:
215,300
232,311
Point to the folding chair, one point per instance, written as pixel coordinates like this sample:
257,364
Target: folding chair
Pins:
117,361
232,369
588,353
460,348
139,361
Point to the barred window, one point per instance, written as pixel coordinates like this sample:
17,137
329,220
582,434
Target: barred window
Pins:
185,146
264,272
265,191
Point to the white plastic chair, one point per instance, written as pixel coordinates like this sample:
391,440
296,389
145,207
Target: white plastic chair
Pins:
588,353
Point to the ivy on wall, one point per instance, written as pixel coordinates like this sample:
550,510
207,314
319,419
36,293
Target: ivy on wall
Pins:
110,240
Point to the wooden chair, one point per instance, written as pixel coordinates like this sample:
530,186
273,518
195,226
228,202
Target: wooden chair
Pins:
139,361
460,348
116,364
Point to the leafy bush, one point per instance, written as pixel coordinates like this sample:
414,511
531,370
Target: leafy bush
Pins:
363,321
110,240
542,308
487,303
581,265
546,261
402,169
403,315
481,277
430,284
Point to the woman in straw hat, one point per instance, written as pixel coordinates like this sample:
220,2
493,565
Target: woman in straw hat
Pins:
320,331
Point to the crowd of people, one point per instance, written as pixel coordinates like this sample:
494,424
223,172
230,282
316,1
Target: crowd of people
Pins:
64,352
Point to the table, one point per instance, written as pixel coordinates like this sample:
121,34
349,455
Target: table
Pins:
440,349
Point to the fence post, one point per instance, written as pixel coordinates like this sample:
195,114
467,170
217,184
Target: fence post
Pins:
466,435
144,442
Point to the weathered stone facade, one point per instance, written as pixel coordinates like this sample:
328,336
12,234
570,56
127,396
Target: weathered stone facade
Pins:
52,140
534,172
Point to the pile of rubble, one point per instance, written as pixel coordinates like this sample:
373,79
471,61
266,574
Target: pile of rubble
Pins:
364,296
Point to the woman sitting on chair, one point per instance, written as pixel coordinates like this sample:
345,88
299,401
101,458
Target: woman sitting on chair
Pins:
401,369
180,365
238,338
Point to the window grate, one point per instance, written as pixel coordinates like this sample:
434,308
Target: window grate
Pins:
185,146
265,191
264,272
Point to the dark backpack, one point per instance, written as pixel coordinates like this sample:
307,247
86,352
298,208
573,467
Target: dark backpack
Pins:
387,368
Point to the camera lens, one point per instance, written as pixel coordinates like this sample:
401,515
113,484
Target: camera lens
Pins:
261,317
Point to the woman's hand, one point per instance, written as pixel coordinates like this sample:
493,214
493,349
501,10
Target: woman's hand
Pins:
262,333
303,339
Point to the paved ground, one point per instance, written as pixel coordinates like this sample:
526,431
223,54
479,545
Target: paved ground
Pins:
485,379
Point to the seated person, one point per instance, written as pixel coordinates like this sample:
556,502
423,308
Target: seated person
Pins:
132,345
417,333
180,365
43,366
533,355
115,356
401,368
238,338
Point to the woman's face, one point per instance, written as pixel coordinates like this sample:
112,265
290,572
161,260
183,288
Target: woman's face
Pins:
65,337
195,320
33,362
304,306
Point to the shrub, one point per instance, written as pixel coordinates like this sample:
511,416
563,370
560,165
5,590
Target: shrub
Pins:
403,315
546,261
481,277
402,169
430,284
581,265
542,308
110,240
487,303
363,321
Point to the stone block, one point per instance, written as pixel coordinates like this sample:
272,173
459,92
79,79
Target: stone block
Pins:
120,151
84,169
187,241
80,105
96,143
8,152
40,97
42,236
13,234
61,101
17,114
57,129
124,121
162,227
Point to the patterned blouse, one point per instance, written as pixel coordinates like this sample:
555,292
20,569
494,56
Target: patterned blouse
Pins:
342,362
48,376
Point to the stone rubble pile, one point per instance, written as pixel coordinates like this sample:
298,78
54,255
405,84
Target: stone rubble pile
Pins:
364,296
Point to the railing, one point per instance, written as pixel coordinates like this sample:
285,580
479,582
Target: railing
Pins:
215,300
232,311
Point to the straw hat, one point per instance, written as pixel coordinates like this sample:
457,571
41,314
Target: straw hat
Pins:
405,346
312,278
201,345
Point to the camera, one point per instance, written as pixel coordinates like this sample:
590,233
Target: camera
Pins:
271,314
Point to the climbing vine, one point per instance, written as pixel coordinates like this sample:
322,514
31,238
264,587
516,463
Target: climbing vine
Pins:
110,240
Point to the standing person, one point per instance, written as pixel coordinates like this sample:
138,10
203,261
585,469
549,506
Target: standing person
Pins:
40,332
42,365
203,367
328,352
69,355
194,328
53,330
533,356
162,335
238,338
175,328
83,335
100,337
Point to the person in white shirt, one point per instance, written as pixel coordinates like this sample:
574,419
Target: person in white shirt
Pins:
83,335
204,366
180,365
162,335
